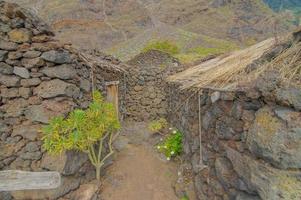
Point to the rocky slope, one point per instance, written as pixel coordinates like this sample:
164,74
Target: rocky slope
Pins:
124,28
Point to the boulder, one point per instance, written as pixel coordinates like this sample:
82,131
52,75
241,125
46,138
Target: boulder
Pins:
290,96
31,54
85,85
62,72
59,57
6,69
15,55
22,72
30,132
55,88
15,107
3,55
31,155
32,62
275,140
74,162
9,81
85,192
54,162
47,110
20,35
24,92
8,46
9,93
268,182
30,82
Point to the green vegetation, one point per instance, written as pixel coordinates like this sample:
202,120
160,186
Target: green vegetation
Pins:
164,45
192,54
158,125
171,146
184,198
84,130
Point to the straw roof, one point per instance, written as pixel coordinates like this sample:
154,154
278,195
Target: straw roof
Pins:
223,72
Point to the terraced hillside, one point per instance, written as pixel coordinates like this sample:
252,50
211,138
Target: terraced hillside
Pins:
124,28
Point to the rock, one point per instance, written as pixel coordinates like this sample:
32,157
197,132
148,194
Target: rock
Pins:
31,54
24,92
74,162
228,128
48,109
62,72
85,85
5,196
227,176
6,69
54,162
215,96
9,93
9,46
32,147
30,132
22,72
20,35
68,184
268,182
30,82
14,55
289,96
15,107
59,57
237,110
3,55
31,155
246,196
85,192
55,88
32,62
276,141
9,81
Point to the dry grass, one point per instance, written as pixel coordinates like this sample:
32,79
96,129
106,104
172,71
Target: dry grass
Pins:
288,63
224,71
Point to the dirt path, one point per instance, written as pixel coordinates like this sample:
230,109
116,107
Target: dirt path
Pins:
138,172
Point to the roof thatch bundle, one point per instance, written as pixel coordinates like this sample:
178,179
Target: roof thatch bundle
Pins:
225,71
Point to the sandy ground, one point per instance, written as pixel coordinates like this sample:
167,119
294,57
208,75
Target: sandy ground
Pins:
138,172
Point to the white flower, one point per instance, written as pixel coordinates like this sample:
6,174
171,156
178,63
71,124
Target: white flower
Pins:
172,153
161,139
168,158
174,132
179,173
170,128
165,147
158,147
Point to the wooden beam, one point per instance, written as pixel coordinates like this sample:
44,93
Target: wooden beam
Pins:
12,180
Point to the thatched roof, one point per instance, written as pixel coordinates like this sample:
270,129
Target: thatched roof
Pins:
223,72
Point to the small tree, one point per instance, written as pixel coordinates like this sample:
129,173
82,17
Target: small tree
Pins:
84,130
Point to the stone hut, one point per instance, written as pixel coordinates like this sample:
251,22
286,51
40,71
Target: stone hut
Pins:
41,78
146,95
240,114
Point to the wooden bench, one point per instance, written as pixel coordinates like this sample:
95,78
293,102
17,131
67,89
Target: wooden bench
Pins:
12,180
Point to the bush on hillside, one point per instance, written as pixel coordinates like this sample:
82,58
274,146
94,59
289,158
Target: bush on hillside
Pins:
164,46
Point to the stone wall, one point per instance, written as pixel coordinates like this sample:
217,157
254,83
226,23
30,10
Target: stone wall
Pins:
251,140
39,79
146,94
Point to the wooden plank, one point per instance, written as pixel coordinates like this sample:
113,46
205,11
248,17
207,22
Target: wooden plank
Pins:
112,96
11,180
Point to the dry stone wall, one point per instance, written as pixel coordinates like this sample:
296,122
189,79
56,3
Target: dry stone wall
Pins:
41,78
146,91
251,140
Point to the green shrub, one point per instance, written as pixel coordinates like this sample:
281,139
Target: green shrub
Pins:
84,130
164,45
171,146
158,125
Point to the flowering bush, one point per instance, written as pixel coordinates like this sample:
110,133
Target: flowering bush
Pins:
171,146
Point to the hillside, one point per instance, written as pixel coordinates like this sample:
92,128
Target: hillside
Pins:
124,28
